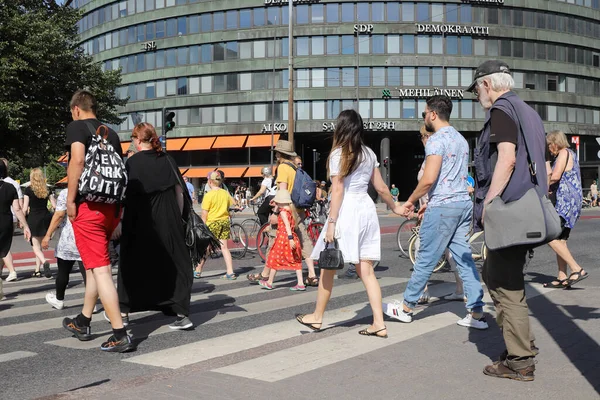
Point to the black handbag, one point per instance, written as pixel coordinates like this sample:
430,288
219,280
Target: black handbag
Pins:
331,258
198,238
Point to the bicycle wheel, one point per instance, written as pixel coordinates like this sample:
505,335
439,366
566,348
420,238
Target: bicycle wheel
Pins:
405,233
238,241
413,251
251,226
262,241
314,230
477,243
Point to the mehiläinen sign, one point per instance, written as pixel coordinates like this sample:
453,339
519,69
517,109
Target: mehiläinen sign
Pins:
500,2
455,29
424,93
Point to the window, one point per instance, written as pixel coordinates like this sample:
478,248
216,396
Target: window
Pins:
245,50
247,113
231,51
207,115
260,82
492,47
332,12
149,31
408,44
347,44
393,76
259,16
160,59
194,84
423,76
333,109
171,28
437,12
233,114
246,81
364,76
378,44
437,77
231,19
363,44
492,15
466,109
408,76
348,77
393,11
302,46
437,45
245,18
318,77
451,45
218,21
333,77
466,77
317,43
141,34
317,14
347,12
408,12
232,82
171,87
171,57
207,84
302,14
393,108
378,76
364,108
362,12
182,26
303,78
182,55
452,13
219,115
206,22
452,77
466,45
517,49
422,12
530,80
182,86
423,44
219,51
333,45
393,44
259,49
150,61
408,109
552,83
273,16
378,108
540,51
150,90
318,110
466,15
377,11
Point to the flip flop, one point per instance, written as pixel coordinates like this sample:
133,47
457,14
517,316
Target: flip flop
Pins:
366,332
300,318
580,277
558,284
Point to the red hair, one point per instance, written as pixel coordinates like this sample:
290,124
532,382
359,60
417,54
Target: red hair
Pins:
147,134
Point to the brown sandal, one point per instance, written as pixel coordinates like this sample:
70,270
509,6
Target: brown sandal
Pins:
255,278
311,281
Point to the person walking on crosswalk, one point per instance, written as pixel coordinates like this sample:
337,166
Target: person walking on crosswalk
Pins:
8,259
352,218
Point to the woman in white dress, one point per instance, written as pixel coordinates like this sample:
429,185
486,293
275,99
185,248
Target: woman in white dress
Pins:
352,218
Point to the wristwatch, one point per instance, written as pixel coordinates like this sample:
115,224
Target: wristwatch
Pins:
290,237
331,220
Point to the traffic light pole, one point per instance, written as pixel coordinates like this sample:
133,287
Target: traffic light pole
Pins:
314,163
164,132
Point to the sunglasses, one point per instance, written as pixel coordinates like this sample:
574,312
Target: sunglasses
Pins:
424,113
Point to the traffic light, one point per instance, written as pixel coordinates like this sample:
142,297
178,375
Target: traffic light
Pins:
386,162
317,156
169,123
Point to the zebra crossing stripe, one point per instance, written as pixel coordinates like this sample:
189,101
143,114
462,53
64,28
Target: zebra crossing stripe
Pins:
158,327
16,355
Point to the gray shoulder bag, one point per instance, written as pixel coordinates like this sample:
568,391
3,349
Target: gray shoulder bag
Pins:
530,221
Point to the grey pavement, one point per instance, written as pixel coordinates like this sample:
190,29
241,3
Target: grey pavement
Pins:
247,345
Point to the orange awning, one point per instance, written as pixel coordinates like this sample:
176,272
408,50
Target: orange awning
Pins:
176,144
198,143
63,180
182,171
261,140
233,172
125,147
229,142
253,172
198,172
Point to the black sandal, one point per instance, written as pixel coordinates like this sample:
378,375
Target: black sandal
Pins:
366,332
300,318
580,277
36,274
312,281
558,284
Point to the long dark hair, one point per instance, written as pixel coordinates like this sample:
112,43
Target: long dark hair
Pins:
348,136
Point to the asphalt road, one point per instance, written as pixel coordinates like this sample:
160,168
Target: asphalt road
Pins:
56,365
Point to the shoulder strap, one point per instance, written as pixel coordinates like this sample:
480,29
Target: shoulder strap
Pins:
186,194
102,130
291,165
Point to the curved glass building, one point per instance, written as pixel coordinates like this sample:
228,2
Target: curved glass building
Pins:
222,67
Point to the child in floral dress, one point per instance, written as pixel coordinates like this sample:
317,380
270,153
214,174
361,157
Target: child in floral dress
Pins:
286,254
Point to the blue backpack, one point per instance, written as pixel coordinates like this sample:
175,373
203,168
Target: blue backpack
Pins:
305,189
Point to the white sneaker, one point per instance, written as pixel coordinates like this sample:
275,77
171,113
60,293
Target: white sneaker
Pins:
396,311
471,322
54,302
124,318
95,309
11,277
456,297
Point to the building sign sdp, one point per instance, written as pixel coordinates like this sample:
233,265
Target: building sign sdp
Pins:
361,29
423,93
453,29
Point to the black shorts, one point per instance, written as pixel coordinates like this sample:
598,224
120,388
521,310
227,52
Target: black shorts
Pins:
564,235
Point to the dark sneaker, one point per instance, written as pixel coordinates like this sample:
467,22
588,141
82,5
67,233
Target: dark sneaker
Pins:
83,333
112,345
47,272
499,370
181,323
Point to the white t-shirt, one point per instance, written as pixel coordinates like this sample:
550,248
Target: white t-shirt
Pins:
19,194
271,189
66,248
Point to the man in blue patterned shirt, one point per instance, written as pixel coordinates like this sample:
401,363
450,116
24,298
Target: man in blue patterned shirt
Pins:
446,219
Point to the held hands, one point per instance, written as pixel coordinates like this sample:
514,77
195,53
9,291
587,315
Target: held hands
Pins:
27,234
330,234
45,242
406,210
292,244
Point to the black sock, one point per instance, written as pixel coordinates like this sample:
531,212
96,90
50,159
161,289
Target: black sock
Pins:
119,333
82,320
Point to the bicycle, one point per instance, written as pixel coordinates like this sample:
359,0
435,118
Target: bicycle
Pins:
237,242
404,234
476,242
252,227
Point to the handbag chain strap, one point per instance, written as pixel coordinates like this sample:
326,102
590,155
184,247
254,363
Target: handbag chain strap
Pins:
186,195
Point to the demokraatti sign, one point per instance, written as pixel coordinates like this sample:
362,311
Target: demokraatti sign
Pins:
455,29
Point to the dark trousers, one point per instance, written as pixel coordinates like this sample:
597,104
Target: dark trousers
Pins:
62,279
264,210
503,275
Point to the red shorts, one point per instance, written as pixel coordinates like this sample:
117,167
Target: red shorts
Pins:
93,227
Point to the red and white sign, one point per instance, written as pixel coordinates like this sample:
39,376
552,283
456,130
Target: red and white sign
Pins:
575,140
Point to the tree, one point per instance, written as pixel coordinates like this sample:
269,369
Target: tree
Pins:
41,66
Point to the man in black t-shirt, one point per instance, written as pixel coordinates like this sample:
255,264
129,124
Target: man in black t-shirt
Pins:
93,226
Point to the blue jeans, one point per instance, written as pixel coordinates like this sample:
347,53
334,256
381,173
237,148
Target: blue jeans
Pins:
446,226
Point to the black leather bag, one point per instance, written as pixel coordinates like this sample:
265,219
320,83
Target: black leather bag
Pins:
331,258
198,238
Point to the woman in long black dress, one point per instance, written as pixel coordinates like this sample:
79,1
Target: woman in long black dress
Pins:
8,198
35,199
155,271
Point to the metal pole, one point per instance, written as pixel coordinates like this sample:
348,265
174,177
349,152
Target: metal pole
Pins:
314,163
164,132
357,61
291,74
273,101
